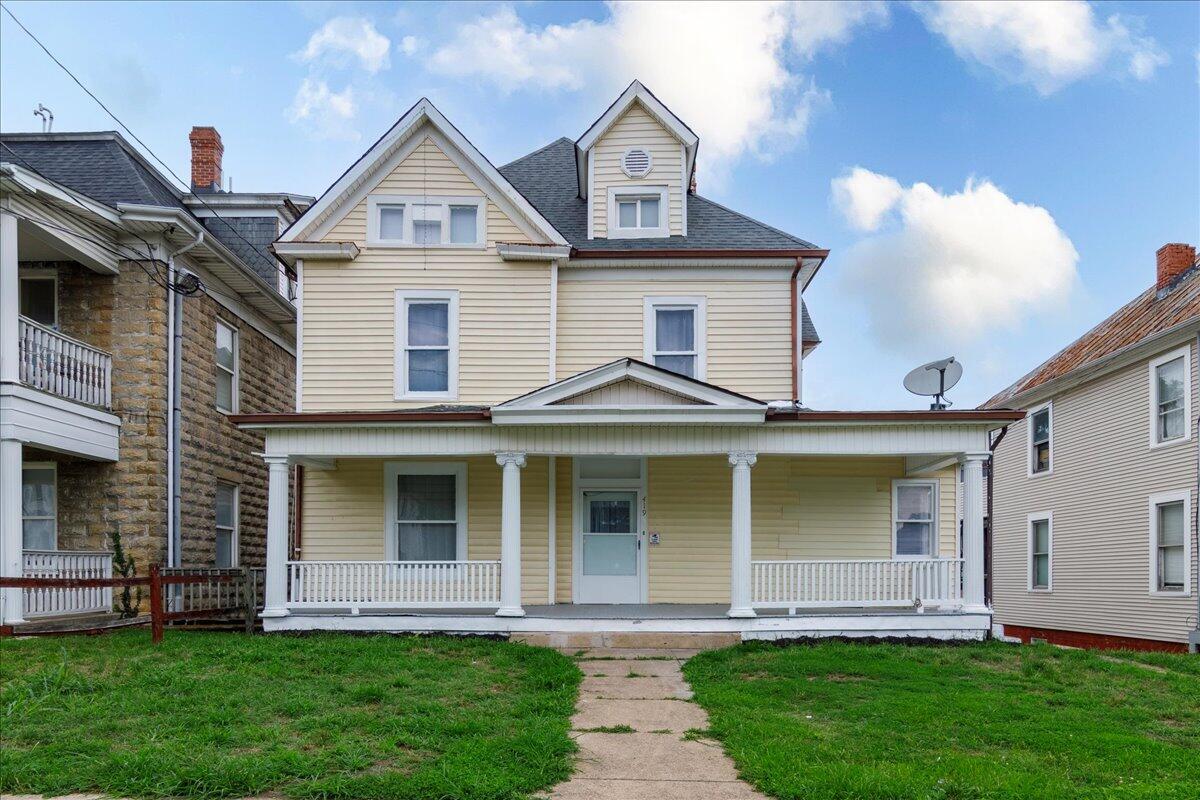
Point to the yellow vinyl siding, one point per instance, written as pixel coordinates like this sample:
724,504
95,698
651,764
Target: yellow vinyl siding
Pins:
748,327
636,128
564,527
349,309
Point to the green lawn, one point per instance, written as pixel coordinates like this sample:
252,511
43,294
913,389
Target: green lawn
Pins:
221,714
868,722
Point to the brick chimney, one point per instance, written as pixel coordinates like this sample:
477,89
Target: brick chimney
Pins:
1174,260
206,158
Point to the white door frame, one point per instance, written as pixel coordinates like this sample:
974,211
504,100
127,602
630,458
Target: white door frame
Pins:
578,487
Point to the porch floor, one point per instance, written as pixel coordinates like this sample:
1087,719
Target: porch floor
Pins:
643,611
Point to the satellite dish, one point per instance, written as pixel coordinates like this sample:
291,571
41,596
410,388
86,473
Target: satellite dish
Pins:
934,380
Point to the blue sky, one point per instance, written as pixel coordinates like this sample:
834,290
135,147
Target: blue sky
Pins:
1018,165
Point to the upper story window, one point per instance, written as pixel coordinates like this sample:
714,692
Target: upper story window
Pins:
226,528
674,334
426,345
1170,397
1040,436
914,518
637,212
39,297
1170,517
225,355
413,221
1040,549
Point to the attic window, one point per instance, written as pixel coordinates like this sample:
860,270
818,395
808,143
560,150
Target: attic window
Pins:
636,162
429,221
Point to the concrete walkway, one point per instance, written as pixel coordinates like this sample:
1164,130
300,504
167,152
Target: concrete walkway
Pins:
644,690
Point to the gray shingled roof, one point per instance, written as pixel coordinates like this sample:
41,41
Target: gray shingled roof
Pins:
547,178
259,231
808,331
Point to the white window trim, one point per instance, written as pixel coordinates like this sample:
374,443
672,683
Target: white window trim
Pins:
41,465
1156,500
1048,517
234,539
1186,353
406,200
39,274
935,530
393,469
699,303
403,297
639,190
1048,407
235,389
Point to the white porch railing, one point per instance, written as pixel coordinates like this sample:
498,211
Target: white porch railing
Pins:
398,584
43,602
63,366
830,584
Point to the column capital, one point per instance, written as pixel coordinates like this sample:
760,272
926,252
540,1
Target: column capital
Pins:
743,458
272,459
509,457
963,458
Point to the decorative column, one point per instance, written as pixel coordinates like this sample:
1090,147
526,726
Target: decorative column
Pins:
973,510
510,535
739,566
275,590
11,544
10,306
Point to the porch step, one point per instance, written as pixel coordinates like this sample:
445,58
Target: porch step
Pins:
571,641
71,624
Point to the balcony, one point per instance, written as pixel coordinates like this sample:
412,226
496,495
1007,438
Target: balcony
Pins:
62,366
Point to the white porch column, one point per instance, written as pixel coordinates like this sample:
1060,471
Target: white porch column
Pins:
510,535
10,306
275,589
973,511
739,567
11,542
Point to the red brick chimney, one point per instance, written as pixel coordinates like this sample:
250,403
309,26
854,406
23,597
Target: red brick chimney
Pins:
1174,260
206,158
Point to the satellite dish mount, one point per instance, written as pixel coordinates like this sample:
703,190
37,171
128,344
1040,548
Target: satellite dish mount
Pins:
935,379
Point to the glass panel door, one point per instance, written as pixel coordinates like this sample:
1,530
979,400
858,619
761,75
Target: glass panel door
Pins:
609,562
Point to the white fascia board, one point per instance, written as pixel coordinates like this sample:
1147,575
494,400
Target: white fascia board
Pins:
635,92
628,415
407,125
33,183
316,251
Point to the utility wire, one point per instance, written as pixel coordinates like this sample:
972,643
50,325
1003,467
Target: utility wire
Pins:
99,102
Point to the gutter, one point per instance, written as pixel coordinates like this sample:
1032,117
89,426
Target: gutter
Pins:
692,252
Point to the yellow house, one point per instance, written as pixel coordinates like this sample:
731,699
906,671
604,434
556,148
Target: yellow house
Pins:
565,396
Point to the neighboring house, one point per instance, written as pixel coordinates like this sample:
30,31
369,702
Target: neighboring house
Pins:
533,399
1094,492
115,393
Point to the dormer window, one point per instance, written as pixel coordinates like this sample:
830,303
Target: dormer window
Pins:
403,221
637,212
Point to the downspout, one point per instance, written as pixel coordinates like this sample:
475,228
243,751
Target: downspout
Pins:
174,380
796,357
1194,634
988,531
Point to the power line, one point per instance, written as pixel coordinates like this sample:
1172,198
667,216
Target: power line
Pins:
163,164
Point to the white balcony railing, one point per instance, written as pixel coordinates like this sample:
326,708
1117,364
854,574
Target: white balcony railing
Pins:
63,366
394,584
830,584
65,564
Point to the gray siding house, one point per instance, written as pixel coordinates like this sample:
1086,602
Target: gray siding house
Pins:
1094,492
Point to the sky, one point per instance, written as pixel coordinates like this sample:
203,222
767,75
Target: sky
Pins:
992,179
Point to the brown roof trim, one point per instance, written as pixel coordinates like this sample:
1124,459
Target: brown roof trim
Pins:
328,417
982,415
697,253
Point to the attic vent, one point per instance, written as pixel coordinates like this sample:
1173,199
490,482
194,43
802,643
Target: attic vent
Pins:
636,162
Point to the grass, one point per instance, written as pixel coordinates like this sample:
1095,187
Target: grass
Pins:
326,716
607,729
884,722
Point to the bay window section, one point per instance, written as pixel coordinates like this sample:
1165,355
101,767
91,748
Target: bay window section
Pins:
914,519
426,345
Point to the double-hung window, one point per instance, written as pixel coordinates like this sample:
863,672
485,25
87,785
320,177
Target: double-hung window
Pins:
637,212
914,518
39,506
226,527
1040,549
674,334
426,345
226,357
1040,436
427,511
415,221
1170,397
1170,526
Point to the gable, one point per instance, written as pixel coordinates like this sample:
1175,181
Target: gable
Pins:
636,129
629,392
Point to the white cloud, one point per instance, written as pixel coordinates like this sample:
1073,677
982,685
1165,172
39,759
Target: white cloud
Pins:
948,268
724,68
325,112
409,45
1045,43
342,40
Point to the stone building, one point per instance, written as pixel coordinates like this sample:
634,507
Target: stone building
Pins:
134,319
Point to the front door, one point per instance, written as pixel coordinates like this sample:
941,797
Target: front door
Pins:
610,546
